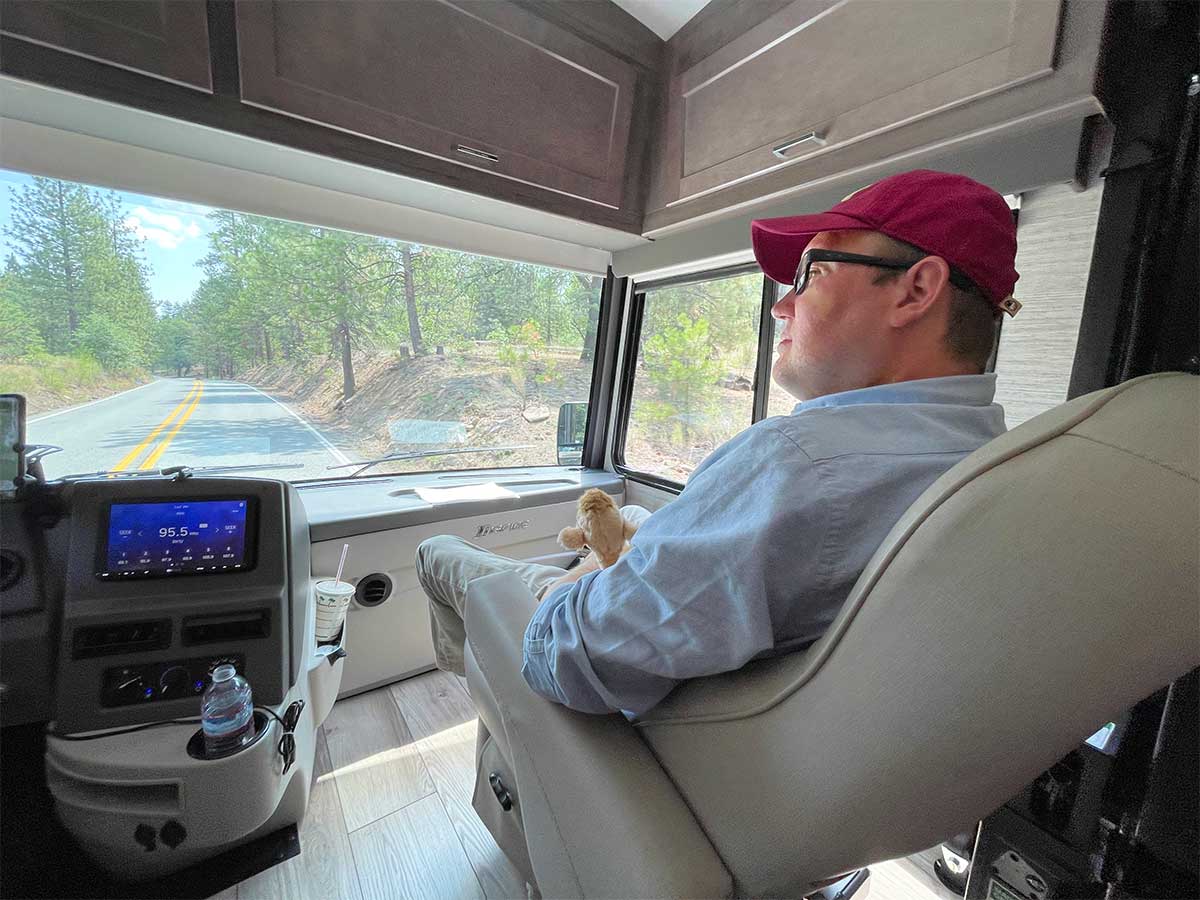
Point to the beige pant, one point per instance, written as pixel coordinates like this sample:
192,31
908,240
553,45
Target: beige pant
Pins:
446,565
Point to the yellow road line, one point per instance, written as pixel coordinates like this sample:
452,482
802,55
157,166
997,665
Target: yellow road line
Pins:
133,454
166,442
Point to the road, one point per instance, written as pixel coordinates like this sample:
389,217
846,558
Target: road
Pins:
184,421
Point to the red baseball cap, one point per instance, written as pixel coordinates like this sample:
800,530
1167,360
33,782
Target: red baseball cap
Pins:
966,223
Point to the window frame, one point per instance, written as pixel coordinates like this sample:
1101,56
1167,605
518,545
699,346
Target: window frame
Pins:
604,369
632,344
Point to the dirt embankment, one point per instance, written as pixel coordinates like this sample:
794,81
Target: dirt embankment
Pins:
57,382
473,389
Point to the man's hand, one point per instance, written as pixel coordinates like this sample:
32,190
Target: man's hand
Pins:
590,564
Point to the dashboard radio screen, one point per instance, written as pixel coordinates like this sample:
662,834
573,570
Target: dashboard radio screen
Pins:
176,538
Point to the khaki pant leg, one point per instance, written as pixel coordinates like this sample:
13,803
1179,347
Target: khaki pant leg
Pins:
446,565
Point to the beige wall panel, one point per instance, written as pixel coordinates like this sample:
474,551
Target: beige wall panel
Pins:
1055,232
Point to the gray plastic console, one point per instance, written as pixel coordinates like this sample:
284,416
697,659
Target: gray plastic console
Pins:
135,650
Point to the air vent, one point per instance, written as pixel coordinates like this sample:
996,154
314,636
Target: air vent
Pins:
121,637
217,629
373,589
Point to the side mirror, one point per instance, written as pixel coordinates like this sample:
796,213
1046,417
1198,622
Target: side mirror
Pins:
572,429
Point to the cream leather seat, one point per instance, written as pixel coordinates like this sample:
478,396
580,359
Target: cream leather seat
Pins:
1040,587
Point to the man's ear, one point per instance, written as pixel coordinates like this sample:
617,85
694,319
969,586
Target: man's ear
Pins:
924,284
571,538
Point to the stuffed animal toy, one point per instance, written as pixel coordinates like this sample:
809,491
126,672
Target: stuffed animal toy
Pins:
600,527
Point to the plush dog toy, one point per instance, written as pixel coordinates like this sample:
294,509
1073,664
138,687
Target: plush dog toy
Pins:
600,527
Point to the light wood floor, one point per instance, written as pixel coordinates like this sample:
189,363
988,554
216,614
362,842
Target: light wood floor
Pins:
390,813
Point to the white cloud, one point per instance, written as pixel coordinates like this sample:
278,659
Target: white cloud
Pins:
159,236
165,229
171,223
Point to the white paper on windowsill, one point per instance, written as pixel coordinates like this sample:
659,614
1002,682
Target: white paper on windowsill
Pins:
489,491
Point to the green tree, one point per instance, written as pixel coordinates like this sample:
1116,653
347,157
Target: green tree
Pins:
520,349
678,363
19,335
74,262
175,341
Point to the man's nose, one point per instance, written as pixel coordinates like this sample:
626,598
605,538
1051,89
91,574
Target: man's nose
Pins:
784,307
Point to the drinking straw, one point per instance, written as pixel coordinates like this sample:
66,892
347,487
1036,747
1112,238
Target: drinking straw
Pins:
338,577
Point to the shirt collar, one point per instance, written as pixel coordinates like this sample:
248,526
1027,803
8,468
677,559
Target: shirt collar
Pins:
961,390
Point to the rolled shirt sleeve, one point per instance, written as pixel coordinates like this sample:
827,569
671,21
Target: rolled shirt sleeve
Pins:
698,592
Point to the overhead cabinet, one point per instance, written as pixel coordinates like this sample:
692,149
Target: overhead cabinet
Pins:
164,38
819,75
485,84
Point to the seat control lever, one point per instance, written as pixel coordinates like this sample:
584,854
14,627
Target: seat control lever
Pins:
502,795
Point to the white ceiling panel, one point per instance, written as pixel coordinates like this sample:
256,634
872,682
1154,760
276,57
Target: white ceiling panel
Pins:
663,17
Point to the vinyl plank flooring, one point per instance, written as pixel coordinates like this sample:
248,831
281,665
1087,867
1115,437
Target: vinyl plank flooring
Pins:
413,853
450,758
441,716
376,766
902,879
432,702
325,867
920,867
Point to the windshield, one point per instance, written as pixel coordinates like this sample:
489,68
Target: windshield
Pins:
148,333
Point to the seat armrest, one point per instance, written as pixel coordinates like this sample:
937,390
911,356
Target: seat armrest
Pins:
601,817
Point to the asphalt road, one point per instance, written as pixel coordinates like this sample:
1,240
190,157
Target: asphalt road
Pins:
184,421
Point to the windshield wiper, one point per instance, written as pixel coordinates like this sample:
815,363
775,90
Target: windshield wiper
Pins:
365,464
180,472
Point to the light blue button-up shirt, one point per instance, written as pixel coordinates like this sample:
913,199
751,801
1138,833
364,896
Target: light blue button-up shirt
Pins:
762,547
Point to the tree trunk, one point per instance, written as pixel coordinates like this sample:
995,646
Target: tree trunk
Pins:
410,301
73,293
589,339
347,363
267,345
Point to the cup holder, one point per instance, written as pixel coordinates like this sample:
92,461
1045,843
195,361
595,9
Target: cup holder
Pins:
197,750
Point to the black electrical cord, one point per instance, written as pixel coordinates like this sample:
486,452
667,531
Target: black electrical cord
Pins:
298,705
104,734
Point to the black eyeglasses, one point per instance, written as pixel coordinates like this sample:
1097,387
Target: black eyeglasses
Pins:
800,282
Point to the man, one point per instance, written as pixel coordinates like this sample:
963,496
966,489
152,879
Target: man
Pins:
884,338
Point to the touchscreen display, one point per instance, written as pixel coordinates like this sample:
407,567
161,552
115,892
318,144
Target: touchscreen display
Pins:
177,538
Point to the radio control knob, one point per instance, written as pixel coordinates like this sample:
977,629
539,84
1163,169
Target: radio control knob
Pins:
175,682
131,687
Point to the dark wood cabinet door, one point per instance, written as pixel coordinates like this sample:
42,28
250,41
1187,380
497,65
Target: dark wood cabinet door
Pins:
164,38
482,82
819,75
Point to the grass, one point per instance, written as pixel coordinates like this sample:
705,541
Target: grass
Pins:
51,382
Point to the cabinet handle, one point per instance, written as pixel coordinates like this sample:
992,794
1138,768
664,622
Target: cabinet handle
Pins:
478,154
812,138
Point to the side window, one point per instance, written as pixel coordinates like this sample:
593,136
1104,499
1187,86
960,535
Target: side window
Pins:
779,401
693,380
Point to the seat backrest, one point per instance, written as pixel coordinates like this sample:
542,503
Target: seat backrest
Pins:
1042,586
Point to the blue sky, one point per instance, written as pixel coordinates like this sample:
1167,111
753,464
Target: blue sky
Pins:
174,236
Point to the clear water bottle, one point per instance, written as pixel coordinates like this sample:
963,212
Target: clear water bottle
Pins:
226,712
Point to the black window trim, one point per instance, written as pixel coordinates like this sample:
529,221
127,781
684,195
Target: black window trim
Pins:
632,341
604,369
